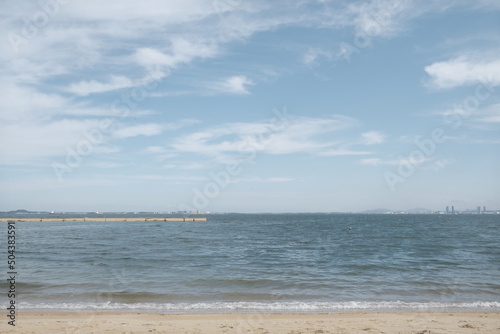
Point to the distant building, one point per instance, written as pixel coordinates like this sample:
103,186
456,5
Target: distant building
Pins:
478,210
484,209
447,210
452,209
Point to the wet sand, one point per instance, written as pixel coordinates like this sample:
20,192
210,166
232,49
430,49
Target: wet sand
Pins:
261,323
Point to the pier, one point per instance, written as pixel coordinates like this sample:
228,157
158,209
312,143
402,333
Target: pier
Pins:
105,219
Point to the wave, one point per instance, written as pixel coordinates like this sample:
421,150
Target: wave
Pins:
263,307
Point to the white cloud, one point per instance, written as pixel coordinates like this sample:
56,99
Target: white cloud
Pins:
382,17
476,118
87,40
161,153
181,50
84,88
81,42
311,56
464,71
192,166
238,84
155,149
150,129
294,135
185,165
378,162
442,163
233,85
148,57
398,162
372,138
104,164
158,63
490,119
156,11
342,152
256,179
371,161
21,103
490,114
181,123
174,179
32,142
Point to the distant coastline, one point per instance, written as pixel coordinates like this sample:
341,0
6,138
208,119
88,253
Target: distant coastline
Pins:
103,219
152,215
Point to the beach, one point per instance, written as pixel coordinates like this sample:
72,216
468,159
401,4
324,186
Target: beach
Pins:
261,323
258,274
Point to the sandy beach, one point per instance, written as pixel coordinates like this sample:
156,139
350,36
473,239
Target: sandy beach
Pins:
258,323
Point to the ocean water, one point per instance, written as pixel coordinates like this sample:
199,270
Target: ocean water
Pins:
274,262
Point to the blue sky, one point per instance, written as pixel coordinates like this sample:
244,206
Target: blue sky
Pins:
249,106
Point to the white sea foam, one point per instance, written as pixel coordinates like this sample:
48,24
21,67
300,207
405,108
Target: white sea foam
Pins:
261,306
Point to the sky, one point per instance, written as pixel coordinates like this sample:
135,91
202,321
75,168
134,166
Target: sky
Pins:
249,106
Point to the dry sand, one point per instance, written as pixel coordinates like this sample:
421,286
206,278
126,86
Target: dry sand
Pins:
261,323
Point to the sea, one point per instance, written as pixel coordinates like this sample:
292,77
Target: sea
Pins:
258,263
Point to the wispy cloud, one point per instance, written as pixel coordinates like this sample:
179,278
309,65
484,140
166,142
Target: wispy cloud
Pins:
313,54
342,152
180,50
440,164
234,85
84,88
464,71
299,135
156,150
104,164
490,119
383,17
378,162
427,163
150,129
24,102
187,165
488,115
256,179
33,142
372,138
21,102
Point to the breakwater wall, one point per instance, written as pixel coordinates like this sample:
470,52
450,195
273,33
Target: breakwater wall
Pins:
105,219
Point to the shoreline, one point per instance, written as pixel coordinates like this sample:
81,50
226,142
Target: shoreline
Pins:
414,322
243,307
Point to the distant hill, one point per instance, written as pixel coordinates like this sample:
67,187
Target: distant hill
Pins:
19,211
22,212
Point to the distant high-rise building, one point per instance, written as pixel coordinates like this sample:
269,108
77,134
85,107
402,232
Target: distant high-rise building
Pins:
484,209
478,210
447,209
452,209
